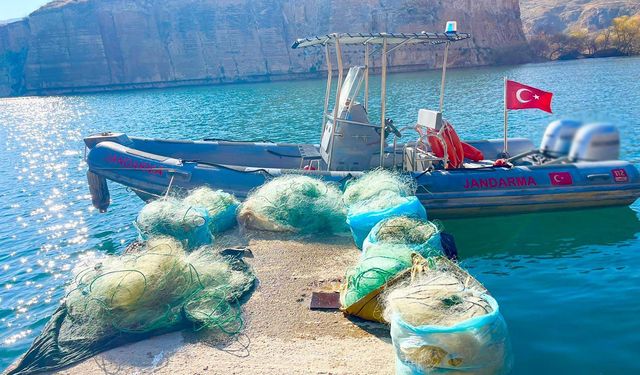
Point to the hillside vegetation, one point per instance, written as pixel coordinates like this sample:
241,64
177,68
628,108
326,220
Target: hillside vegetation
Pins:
582,28
558,16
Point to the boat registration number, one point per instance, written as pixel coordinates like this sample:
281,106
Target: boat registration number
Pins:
620,175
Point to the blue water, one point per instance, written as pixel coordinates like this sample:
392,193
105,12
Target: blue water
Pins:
568,283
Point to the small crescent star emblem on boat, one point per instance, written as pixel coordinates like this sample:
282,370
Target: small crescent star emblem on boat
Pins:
519,95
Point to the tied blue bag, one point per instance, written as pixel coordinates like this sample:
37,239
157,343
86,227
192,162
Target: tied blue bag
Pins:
478,346
361,223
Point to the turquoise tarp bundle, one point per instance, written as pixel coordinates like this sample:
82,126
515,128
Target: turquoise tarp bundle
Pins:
363,216
478,346
443,321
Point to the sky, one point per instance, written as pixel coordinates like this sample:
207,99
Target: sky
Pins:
10,9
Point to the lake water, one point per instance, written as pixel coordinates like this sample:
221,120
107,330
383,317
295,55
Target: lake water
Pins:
568,283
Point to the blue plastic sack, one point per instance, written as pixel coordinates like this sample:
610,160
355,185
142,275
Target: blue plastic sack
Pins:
220,206
431,247
224,220
361,222
478,346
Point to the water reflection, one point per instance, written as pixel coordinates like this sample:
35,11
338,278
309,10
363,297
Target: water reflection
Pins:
553,234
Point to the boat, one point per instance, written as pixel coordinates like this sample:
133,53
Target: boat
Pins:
576,165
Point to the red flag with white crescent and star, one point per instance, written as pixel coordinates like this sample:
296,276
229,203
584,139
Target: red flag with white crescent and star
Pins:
521,96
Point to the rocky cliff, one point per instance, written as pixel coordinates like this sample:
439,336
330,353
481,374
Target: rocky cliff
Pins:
89,45
557,16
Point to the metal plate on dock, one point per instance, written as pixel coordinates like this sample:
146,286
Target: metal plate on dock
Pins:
325,301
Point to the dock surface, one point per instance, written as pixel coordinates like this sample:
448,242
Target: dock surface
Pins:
282,335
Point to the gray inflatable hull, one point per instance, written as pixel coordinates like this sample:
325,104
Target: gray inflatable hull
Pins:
149,167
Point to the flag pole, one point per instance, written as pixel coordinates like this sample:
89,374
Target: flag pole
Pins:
506,120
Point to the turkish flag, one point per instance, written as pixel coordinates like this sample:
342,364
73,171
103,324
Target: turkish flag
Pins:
561,178
521,96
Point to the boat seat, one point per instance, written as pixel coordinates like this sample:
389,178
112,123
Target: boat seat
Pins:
309,154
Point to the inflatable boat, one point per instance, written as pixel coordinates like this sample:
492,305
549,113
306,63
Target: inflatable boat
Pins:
575,166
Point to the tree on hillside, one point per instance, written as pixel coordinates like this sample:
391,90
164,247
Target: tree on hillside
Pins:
577,39
625,32
550,46
621,38
603,40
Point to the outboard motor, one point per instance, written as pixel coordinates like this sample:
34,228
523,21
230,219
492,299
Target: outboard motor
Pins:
596,142
558,137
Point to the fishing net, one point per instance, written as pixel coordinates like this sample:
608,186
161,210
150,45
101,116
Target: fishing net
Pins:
294,204
220,206
443,320
171,217
119,300
421,235
376,267
439,296
376,182
364,215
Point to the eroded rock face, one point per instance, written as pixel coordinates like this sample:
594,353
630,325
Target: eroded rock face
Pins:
557,16
87,45
14,43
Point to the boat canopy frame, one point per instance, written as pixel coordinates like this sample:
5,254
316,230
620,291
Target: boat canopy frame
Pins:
387,43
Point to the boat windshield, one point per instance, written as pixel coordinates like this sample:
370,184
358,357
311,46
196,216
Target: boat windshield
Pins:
350,89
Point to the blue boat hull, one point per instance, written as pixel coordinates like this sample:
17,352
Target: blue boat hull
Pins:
151,167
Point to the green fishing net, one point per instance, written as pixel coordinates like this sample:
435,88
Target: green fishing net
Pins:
220,206
377,203
146,291
122,299
378,181
421,235
172,217
294,203
381,263
440,293
403,229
